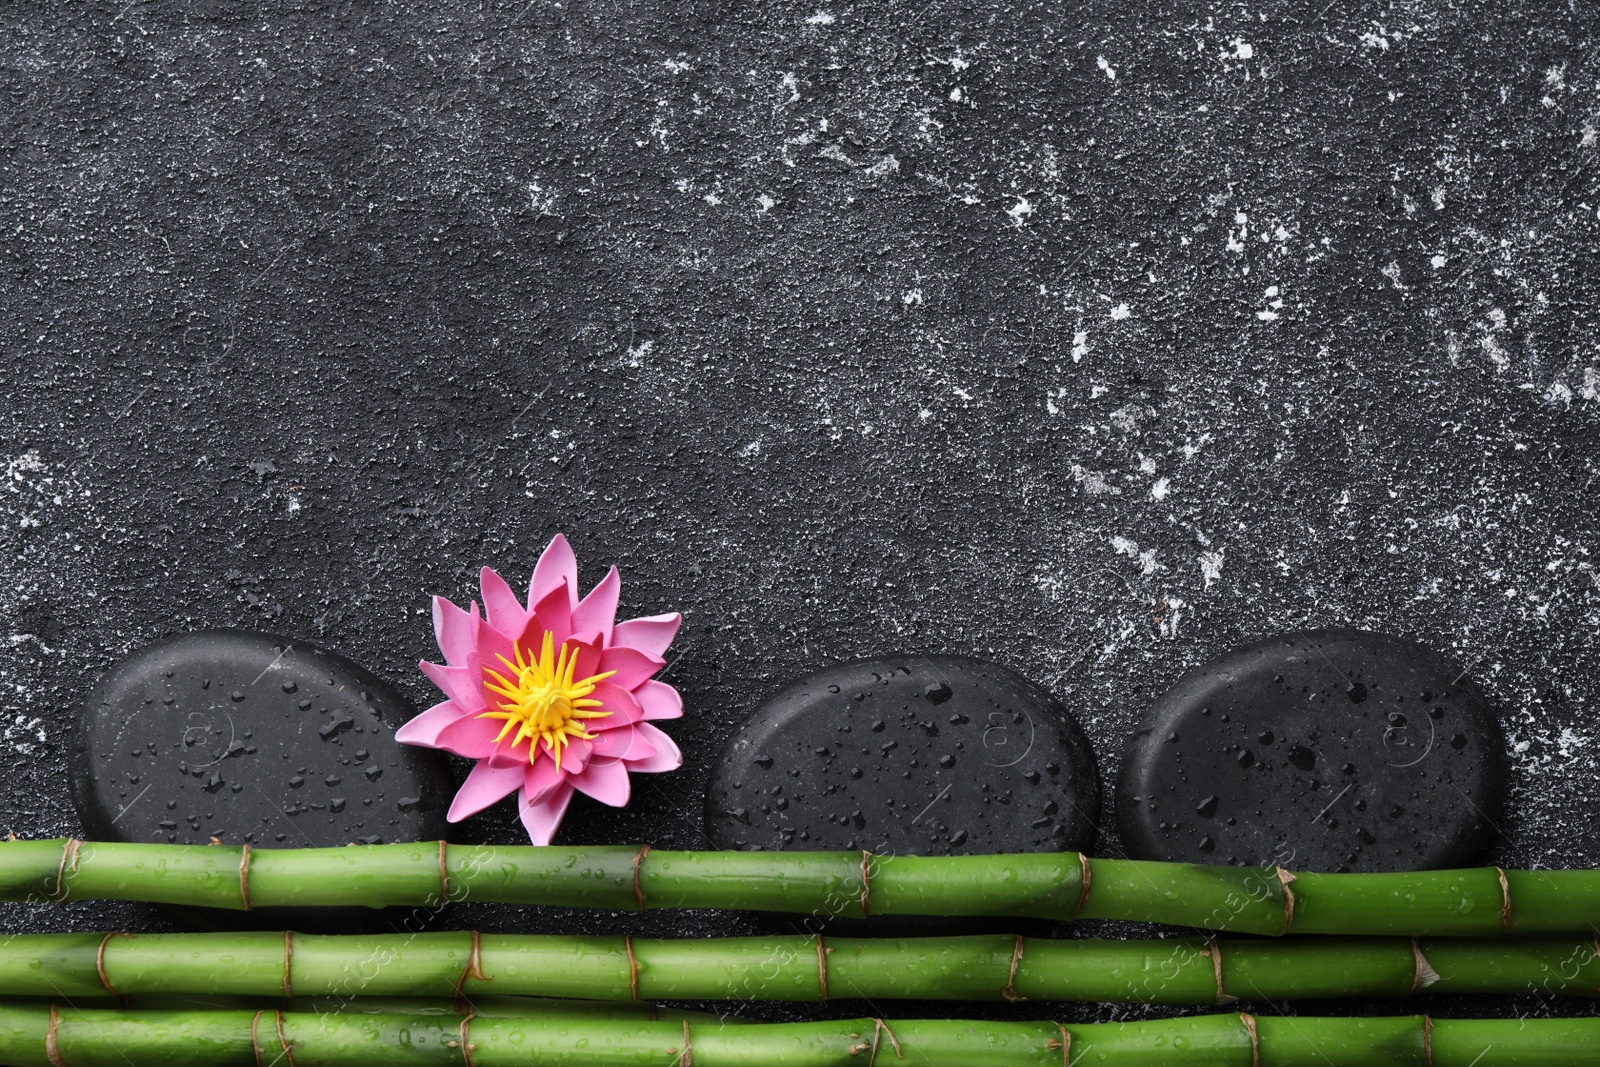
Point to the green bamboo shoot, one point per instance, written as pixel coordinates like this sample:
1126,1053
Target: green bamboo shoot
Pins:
797,968
1272,901
39,1036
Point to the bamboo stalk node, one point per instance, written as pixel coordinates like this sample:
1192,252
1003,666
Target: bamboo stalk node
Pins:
244,875
100,962
822,967
69,865
1505,901
1085,877
255,1042
1214,950
1065,1043
288,954
866,884
466,1041
444,875
633,967
1427,1040
1249,1022
1422,975
1010,991
687,1058
288,1049
52,1045
1286,879
474,967
638,860
879,1028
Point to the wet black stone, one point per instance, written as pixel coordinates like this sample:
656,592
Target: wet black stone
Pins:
1326,750
209,734
927,755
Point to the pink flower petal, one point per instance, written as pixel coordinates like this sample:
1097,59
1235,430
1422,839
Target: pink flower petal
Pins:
606,781
598,610
461,684
574,754
424,729
539,777
588,648
659,700
556,563
484,786
624,744
620,705
552,613
470,736
666,756
456,630
541,817
650,635
632,666
501,605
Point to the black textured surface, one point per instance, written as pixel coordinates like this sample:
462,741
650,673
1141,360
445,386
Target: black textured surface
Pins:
845,330
1327,750
847,758
253,739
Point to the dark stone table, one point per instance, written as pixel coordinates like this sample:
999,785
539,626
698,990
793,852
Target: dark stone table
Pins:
1091,338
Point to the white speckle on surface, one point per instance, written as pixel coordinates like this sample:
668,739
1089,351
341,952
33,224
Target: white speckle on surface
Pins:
23,733
1147,465
1590,390
1160,489
751,450
1120,311
766,203
1391,270
1556,77
292,505
637,354
1020,210
1211,566
911,297
1437,262
1587,136
1080,345
1169,621
675,66
884,166
1050,398
1103,64
1093,483
821,18
1124,546
955,95
1242,49
789,84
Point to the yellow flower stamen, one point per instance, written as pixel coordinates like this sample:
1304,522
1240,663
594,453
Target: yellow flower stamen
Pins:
541,700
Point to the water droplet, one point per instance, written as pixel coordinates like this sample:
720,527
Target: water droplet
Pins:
1207,807
938,693
1247,758
1357,693
1302,757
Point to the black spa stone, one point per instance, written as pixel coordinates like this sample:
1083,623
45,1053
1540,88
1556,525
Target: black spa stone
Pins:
247,737
1327,750
928,755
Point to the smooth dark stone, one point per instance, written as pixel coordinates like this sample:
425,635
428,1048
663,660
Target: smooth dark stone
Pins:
247,737
927,755
1327,750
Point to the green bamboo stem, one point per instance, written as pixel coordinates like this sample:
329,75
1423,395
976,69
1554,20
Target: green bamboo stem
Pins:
489,1006
39,1036
1475,902
799,968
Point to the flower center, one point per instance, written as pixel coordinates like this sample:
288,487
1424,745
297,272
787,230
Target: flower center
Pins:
540,699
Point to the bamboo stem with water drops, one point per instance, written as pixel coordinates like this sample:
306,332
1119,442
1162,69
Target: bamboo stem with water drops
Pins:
796,968
1271,901
35,1036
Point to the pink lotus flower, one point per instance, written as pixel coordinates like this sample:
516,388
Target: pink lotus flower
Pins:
550,697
